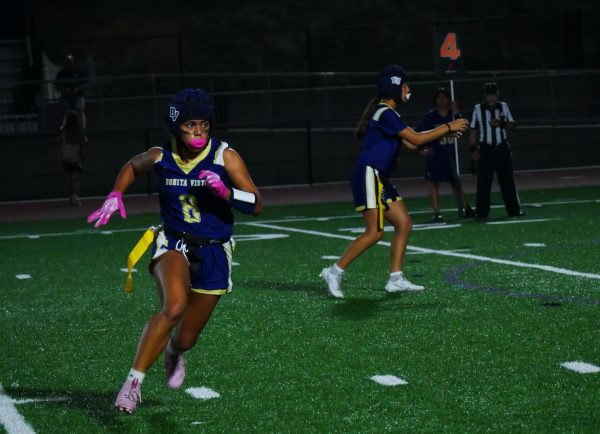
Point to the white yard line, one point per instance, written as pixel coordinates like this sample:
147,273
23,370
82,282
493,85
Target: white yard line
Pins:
67,234
283,220
548,268
10,418
511,222
358,215
244,237
426,227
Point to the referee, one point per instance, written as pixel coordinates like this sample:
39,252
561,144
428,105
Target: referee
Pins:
491,152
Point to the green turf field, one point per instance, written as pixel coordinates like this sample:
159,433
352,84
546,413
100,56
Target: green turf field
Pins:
480,349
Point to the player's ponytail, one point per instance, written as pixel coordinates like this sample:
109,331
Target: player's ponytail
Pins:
365,118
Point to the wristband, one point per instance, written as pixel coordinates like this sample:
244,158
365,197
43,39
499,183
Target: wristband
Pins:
243,201
449,128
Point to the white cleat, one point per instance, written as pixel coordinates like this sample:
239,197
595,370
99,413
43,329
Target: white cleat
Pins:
402,284
334,282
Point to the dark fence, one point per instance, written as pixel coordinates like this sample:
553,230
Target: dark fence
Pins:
555,38
290,128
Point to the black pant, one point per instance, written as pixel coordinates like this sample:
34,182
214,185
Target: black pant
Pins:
496,159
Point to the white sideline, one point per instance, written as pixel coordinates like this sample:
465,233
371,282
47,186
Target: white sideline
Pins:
10,418
548,268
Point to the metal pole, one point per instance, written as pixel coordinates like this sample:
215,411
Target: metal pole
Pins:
455,140
458,191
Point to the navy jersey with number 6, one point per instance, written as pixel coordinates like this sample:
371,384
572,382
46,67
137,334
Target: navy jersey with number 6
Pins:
185,205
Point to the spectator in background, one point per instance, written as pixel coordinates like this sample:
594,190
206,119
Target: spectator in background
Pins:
73,138
71,82
491,152
439,162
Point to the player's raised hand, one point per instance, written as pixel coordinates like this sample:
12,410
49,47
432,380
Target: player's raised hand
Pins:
458,125
113,202
214,184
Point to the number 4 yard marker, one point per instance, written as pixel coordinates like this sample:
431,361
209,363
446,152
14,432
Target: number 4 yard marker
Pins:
448,51
449,48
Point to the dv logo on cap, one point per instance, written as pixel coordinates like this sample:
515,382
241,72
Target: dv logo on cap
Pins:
396,80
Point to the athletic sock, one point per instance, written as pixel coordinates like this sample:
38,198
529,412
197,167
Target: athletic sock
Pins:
136,375
336,270
396,275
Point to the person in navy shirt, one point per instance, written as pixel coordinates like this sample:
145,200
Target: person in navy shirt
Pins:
439,162
201,178
381,131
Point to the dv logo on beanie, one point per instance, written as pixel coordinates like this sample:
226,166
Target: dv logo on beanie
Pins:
396,80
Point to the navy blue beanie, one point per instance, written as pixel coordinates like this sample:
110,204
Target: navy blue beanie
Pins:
390,81
189,104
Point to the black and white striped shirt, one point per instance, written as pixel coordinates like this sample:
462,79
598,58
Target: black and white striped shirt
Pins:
482,113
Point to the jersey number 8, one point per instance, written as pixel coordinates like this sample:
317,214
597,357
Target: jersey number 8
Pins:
189,206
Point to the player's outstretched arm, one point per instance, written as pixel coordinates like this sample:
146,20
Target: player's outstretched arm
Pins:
114,201
456,126
241,195
141,163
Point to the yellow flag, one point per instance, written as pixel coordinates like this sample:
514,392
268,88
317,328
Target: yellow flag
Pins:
135,255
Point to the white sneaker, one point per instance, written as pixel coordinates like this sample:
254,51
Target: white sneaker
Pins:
333,281
402,284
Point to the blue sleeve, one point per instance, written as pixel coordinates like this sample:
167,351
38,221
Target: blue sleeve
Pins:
391,123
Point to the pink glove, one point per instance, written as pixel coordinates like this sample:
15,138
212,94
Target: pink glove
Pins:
214,184
113,202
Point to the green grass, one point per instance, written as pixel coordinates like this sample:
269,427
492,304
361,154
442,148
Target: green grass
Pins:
481,351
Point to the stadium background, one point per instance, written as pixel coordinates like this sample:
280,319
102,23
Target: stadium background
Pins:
291,122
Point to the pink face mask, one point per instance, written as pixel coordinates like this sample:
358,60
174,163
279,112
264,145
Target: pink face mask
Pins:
198,142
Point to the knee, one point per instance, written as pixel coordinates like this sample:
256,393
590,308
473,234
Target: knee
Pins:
374,236
185,343
404,225
173,310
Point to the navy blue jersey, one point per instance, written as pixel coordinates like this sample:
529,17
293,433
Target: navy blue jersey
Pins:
440,147
185,206
381,144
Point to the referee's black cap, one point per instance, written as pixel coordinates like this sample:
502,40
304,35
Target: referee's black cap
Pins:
490,89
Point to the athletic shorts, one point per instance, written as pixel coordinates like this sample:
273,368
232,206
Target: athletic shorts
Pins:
210,264
438,172
370,191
